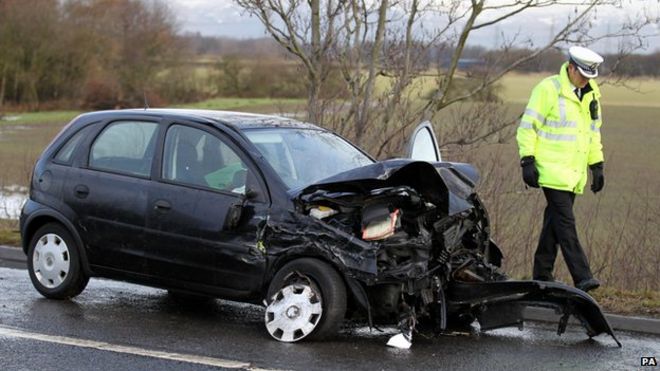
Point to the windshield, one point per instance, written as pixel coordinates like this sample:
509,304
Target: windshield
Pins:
304,156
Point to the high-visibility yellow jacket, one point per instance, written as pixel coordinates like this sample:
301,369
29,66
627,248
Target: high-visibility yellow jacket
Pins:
558,130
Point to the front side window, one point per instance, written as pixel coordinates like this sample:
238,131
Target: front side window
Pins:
196,157
125,147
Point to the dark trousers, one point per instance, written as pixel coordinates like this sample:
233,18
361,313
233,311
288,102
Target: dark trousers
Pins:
559,229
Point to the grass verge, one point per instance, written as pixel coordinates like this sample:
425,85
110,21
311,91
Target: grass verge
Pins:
639,303
9,233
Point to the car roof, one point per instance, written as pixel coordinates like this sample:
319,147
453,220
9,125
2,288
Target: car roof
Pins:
238,120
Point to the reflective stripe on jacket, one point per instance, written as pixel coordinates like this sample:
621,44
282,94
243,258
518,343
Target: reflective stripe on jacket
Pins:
557,129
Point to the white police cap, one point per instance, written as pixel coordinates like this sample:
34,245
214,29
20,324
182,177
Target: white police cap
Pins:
586,61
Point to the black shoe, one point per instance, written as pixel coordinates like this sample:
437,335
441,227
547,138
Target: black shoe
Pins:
588,284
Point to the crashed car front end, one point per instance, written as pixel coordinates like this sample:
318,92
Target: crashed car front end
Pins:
413,241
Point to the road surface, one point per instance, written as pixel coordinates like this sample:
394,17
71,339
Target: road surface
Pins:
115,325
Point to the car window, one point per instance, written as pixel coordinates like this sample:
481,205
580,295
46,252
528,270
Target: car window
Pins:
65,153
125,147
305,156
196,157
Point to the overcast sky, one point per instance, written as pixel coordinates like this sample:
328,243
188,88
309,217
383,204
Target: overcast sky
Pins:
224,18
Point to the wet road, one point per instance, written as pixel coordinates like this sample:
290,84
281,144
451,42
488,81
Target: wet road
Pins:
114,325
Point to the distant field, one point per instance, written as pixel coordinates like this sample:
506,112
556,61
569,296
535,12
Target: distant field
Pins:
28,118
255,104
636,92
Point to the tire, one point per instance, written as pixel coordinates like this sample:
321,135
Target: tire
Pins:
306,299
54,263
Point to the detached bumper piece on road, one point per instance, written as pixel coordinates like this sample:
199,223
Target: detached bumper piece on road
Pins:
500,304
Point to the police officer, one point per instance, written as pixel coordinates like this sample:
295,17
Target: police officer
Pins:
558,138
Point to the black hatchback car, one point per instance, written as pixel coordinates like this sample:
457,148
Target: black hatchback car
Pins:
271,210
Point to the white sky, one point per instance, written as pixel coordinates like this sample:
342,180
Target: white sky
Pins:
224,18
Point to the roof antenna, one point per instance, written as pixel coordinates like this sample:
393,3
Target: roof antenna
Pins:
146,102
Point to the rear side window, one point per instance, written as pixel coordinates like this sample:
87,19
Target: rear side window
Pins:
125,147
66,152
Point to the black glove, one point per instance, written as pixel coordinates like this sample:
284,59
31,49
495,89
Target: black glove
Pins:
529,173
597,177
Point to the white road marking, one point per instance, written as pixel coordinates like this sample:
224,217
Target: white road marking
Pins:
100,345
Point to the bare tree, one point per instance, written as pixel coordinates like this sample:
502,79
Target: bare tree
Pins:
50,48
383,50
307,31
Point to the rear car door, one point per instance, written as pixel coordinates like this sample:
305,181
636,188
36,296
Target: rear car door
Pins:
108,192
201,225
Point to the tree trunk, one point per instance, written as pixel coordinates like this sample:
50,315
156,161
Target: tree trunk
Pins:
363,117
314,111
313,99
3,86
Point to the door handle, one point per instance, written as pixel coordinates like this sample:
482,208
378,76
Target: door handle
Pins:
81,191
162,205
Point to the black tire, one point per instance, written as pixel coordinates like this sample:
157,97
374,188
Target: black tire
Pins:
74,281
325,281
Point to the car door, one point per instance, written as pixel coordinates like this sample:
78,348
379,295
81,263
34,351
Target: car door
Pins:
423,145
204,212
108,193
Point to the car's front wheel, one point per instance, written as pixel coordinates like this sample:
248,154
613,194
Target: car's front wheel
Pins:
54,263
306,299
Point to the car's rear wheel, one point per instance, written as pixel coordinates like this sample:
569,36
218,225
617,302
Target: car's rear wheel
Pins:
306,299
54,263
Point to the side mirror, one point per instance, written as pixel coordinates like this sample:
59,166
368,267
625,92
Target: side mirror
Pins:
233,217
250,194
235,212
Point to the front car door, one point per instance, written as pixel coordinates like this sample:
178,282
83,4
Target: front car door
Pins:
195,240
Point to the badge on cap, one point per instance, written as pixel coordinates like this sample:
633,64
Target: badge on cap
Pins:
586,61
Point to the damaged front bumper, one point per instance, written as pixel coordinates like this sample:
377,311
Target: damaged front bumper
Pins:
500,304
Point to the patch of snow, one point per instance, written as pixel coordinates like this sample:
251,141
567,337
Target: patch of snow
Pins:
12,199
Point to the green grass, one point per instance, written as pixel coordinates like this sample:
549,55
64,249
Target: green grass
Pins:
9,234
635,93
641,302
29,118
243,103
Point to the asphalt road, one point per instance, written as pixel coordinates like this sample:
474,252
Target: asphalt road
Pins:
114,325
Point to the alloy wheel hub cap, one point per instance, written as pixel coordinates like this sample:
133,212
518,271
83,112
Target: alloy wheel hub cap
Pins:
293,313
51,260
